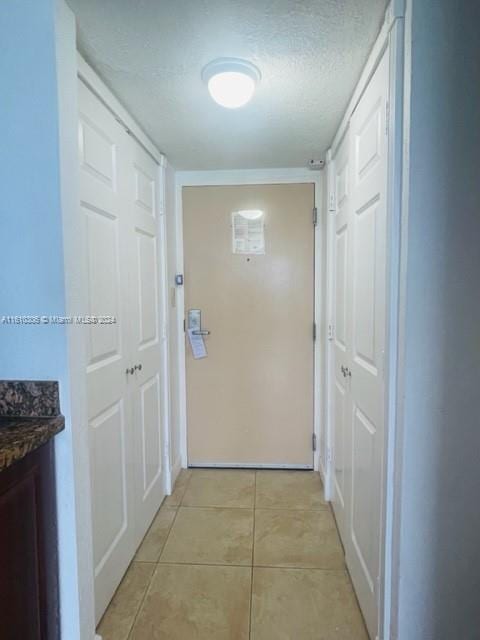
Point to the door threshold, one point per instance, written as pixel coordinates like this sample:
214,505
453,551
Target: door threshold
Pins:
248,465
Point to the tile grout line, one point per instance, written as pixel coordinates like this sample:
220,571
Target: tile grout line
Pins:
177,509
208,506
253,555
147,589
252,567
168,535
341,570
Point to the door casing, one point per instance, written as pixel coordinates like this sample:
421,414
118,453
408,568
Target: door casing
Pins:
252,177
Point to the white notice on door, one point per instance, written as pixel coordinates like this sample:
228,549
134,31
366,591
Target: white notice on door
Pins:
197,345
248,232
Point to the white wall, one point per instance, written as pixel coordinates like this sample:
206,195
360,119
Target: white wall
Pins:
35,35
440,517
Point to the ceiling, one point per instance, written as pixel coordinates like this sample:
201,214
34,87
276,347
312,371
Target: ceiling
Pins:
310,54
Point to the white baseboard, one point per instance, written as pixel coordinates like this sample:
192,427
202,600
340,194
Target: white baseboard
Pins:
176,468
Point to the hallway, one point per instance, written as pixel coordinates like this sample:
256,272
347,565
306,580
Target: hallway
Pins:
236,554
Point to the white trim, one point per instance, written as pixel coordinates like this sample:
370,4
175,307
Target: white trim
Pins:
181,369
162,267
248,465
100,89
72,452
394,284
397,277
329,320
245,177
318,301
395,10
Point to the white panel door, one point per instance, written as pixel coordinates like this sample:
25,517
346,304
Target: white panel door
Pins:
366,338
147,340
341,439
102,147
119,202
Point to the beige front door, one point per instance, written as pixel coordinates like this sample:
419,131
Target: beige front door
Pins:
250,401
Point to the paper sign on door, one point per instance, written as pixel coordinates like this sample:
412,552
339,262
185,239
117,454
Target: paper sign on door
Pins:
248,232
197,345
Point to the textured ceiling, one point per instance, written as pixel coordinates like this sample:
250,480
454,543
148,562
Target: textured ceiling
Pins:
310,53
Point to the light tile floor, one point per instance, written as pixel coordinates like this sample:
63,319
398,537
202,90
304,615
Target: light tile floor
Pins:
238,555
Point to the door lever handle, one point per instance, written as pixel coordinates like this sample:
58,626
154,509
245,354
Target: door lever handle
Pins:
201,332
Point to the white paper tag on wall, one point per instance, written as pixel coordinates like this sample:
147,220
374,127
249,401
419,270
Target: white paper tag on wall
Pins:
197,345
248,232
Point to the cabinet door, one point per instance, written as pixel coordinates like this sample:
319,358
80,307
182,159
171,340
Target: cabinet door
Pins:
147,337
104,150
28,549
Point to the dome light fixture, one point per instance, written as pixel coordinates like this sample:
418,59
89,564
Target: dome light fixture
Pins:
231,81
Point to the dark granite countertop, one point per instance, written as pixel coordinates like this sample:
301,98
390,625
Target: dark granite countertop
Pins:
29,417
20,436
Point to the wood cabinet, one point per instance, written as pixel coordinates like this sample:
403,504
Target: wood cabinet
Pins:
28,549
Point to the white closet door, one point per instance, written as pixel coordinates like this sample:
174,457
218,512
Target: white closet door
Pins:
146,336
366,337
342,440
103,205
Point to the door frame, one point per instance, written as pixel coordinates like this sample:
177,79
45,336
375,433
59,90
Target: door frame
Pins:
391,36
252,177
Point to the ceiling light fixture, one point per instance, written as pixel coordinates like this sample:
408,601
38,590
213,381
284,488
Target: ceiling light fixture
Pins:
231,81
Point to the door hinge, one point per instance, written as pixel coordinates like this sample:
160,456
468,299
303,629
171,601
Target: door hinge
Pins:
387,117
329,454
315,216
314,331
314,441
330,332
184,326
